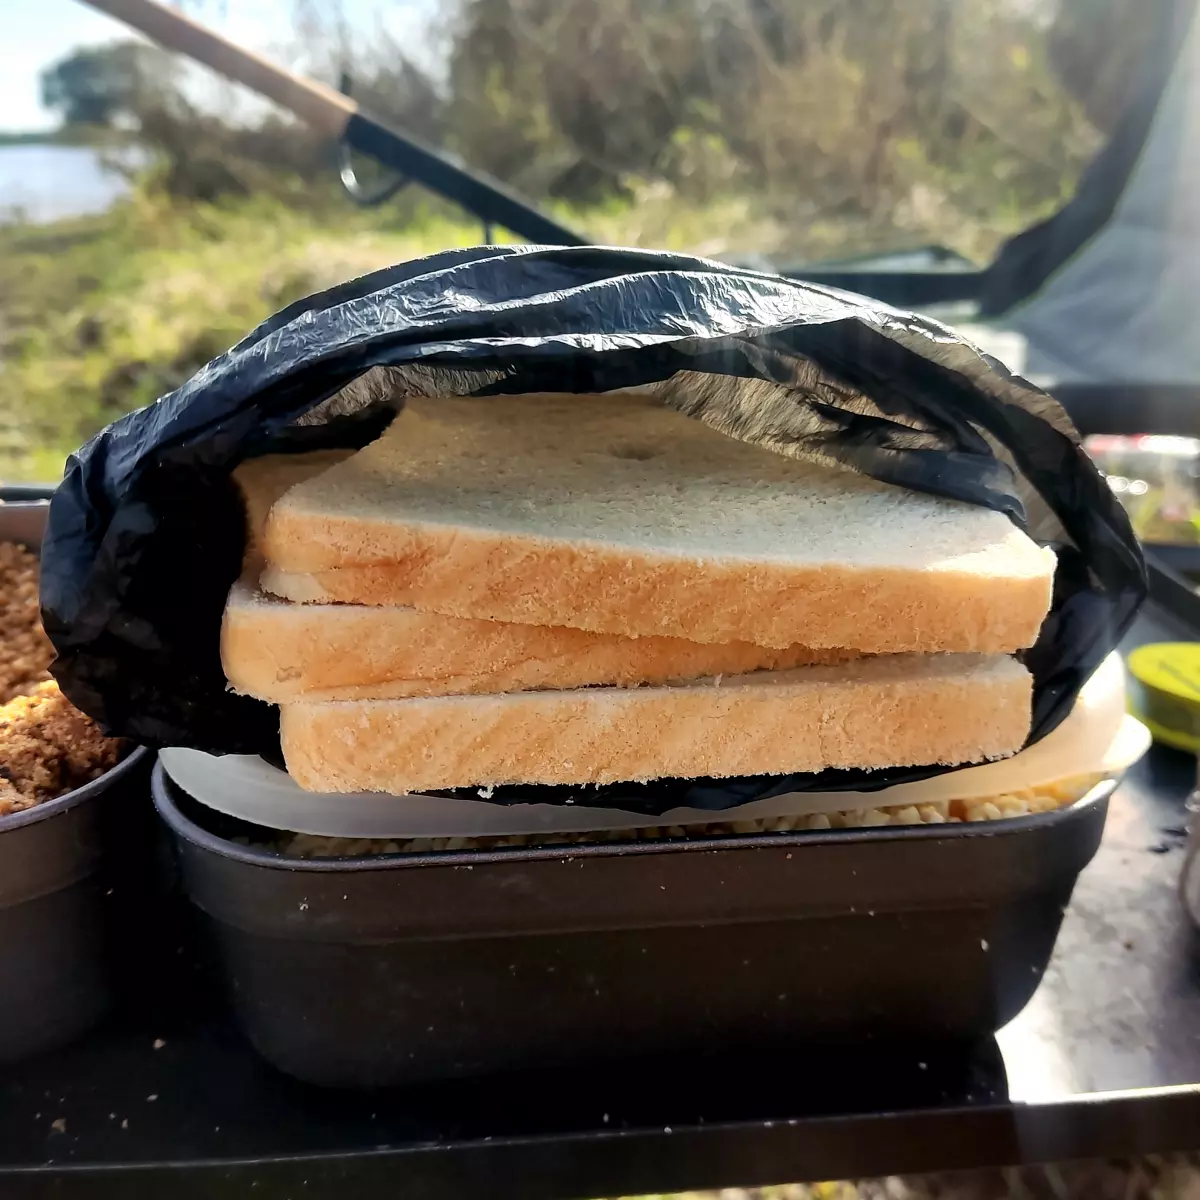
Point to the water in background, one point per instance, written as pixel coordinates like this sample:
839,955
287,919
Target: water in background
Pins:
45,183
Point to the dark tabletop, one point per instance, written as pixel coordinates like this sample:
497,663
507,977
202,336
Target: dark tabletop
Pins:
1104,1061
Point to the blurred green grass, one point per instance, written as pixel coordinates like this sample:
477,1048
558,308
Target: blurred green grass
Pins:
104,314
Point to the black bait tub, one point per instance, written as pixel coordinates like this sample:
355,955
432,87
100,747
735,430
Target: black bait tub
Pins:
406,967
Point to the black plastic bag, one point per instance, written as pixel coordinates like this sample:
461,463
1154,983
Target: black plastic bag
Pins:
146,533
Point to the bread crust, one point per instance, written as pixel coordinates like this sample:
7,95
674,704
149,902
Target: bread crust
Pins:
871,713
282,652
530,581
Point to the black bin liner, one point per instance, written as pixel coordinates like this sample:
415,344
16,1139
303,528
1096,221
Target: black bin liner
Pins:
146,531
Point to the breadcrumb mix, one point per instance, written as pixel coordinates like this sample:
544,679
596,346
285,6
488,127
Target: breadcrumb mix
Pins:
47,746
25,650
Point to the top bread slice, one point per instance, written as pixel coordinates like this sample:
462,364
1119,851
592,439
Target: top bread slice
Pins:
614,514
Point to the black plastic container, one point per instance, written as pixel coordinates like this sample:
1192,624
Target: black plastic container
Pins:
67,869
60,891
382,970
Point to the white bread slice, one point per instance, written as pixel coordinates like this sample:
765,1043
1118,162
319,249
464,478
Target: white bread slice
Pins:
616,515
870,712
282,652
263,480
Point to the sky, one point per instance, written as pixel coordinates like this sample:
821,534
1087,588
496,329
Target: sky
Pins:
34,33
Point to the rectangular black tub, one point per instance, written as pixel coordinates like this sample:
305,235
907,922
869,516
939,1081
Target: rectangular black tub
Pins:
402,968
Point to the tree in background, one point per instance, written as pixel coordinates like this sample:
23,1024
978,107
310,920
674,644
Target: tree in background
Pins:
851,123
895,117
102,85
195,153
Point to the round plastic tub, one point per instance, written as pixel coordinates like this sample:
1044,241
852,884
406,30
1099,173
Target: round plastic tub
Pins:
76,909
59,886
398,968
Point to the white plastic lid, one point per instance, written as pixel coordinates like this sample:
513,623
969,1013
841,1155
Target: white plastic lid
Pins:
1097,737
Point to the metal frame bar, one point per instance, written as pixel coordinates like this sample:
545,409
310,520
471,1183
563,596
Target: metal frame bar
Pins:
338,115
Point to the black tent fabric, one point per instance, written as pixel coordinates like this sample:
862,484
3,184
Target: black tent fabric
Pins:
1101,290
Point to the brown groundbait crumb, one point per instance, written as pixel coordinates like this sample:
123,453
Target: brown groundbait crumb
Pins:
47,748
25,651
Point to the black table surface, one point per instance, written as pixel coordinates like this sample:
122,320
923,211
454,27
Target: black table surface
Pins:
1104,1061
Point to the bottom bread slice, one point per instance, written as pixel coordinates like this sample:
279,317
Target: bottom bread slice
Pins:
897,710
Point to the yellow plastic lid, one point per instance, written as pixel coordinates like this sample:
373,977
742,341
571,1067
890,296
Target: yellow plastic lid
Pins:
1165,692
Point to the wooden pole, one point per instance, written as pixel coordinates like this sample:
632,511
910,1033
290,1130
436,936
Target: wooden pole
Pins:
318,105
338,116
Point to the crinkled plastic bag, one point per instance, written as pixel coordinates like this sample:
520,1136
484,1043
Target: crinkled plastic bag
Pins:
146,531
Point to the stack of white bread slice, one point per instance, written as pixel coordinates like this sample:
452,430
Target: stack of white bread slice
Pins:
571,589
